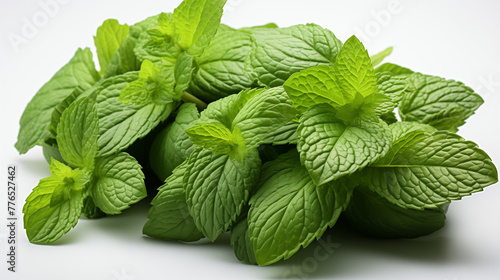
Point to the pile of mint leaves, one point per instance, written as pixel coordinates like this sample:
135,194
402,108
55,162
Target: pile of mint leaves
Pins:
269,133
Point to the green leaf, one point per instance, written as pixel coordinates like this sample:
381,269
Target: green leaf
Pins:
265,113
196,22
376,59
108,40
352,74
77,133
55,204
183,73
289,210
354,70
425,170
118,183
124,59
393,69
252,29
435,98
218,138
166,27
242,245
280,52
330,149
121,124
373,215
59,109
172,146
155,85
217,187
314,86
361,105
169,216
37,116
221,68
394,88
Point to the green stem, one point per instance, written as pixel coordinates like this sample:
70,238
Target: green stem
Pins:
188,97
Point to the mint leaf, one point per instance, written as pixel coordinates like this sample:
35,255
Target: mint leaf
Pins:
183,73
118,183
373,215
218,138
169,216
280,52
55,204
264,114
240,240
59,109
217,187
196,22
124,59
37,115
121,124
77,133
166,27
353,69
376,59
330,149
314,86
172,146
108,39
434,98
289,210
352,74
427,170
221,68
155,85
394,88
393,69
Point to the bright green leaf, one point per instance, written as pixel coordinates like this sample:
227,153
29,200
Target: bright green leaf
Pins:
77,133
426,170
330,149
37,116
289,210
218,138
55,204
435,98
59,109
267,112
376,59
155,85
280,52
183,73
217,187
221,69
393,69
169,216
118,183
121,124
108,40
196,22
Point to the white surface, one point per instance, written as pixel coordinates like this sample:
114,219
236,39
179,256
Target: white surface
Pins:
454,39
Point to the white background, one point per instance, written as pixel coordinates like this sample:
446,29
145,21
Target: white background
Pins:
455,39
